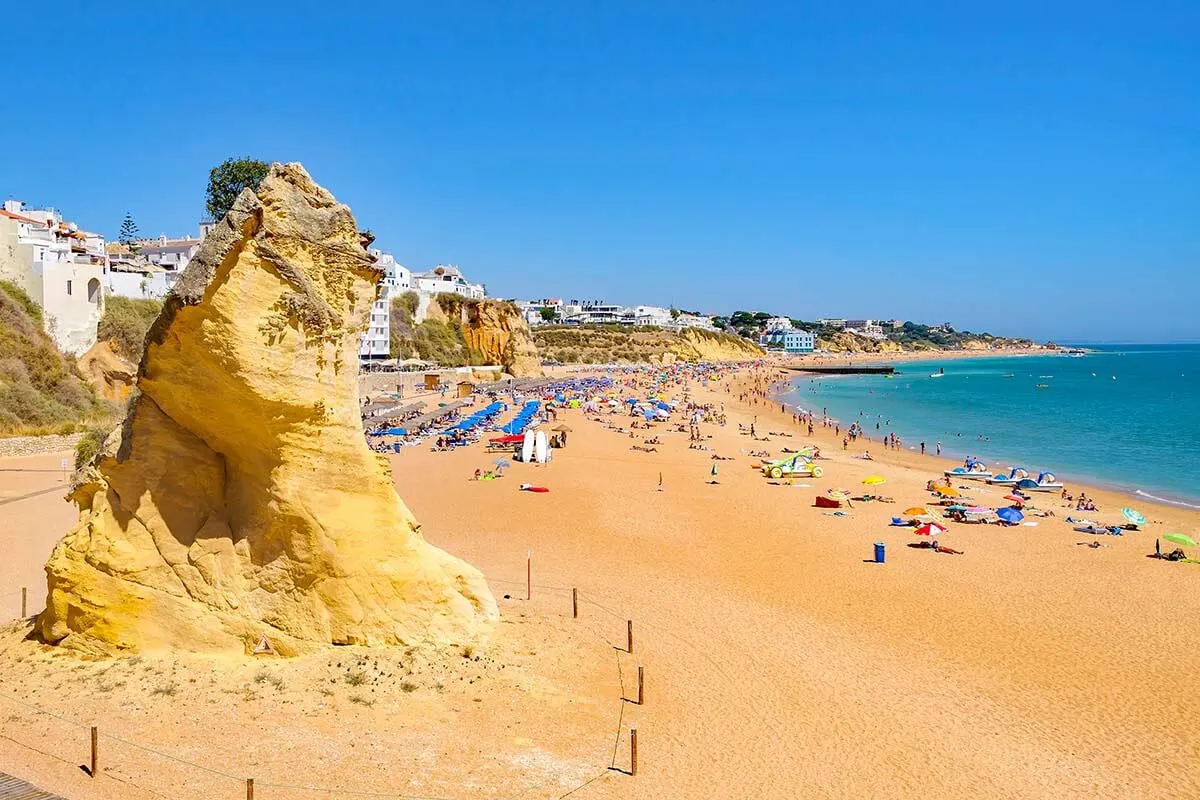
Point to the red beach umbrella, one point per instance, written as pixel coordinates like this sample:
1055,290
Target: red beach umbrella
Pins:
930,529
1015,498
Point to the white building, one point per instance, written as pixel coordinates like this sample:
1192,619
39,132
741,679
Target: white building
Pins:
597,312
832,323
779,324
60,267
447,278
397,279
150,267
650,315
693,321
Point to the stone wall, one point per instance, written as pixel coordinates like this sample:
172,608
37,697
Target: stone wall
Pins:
36,445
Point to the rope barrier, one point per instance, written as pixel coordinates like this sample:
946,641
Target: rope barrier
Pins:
353,792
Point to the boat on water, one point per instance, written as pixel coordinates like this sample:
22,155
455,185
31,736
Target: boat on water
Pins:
1042,386
1014,475
1046,482
941,373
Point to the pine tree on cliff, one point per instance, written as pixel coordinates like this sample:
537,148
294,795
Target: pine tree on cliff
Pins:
128,235
226,181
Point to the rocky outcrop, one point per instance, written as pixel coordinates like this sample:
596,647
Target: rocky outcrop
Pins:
499,332
110,375
613,344
239,499
709,346
845,342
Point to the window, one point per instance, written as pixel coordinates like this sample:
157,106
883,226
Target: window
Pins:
68,288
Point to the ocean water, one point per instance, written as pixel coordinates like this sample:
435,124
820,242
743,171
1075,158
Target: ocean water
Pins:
1126,417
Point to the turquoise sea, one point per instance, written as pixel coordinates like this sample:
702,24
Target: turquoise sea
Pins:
1124,416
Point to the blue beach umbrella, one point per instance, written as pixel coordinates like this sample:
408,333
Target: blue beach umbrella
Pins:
1010,515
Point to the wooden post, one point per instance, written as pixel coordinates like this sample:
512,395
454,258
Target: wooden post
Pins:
24,602
575,604
629,636
95,751
529,575
249,788
641,686
633,751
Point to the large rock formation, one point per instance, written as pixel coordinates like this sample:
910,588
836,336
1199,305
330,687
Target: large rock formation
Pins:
109,374
240,499
498,331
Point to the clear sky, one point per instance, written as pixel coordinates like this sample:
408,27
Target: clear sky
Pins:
1022,167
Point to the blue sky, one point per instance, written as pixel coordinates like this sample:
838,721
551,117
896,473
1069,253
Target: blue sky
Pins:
1027,168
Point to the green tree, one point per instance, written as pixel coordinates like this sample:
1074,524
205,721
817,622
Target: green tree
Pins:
674,312
548,313
226,181
128,234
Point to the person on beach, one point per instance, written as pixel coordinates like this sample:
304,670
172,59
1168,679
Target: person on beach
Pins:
922,448
939,448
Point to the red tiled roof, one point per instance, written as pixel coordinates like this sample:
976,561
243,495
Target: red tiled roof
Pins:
17,217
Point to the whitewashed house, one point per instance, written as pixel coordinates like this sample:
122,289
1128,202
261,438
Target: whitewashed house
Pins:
60,267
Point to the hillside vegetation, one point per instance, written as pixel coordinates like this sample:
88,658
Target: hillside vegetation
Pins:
439,338
39,389
604,344
125,323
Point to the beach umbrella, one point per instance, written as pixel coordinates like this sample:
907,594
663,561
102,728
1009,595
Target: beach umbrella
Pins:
1133,516
561,428
501,463
916,511
838,494
1010,515
1016,498
1180,538
947,491
979,510
930,529
956,507
873,480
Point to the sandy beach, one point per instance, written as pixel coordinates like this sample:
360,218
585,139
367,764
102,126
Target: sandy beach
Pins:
779,660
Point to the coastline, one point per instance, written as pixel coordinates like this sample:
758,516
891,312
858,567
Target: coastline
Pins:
951,458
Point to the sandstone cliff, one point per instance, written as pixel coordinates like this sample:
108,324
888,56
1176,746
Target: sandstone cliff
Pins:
845,342
457,332
499,332
110,375
606,344
239,499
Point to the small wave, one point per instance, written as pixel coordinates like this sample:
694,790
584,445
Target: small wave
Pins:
1166,500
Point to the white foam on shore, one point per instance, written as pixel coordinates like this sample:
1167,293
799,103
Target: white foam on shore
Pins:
1166,500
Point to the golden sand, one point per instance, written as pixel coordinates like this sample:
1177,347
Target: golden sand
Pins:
779,661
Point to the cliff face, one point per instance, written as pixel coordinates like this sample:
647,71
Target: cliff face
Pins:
851,343
109,374
239,499
710,346
500,334
639,345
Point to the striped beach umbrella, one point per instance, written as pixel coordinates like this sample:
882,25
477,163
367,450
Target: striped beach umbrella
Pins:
1133,516
930,529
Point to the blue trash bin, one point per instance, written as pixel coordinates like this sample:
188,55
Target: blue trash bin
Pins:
879,554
